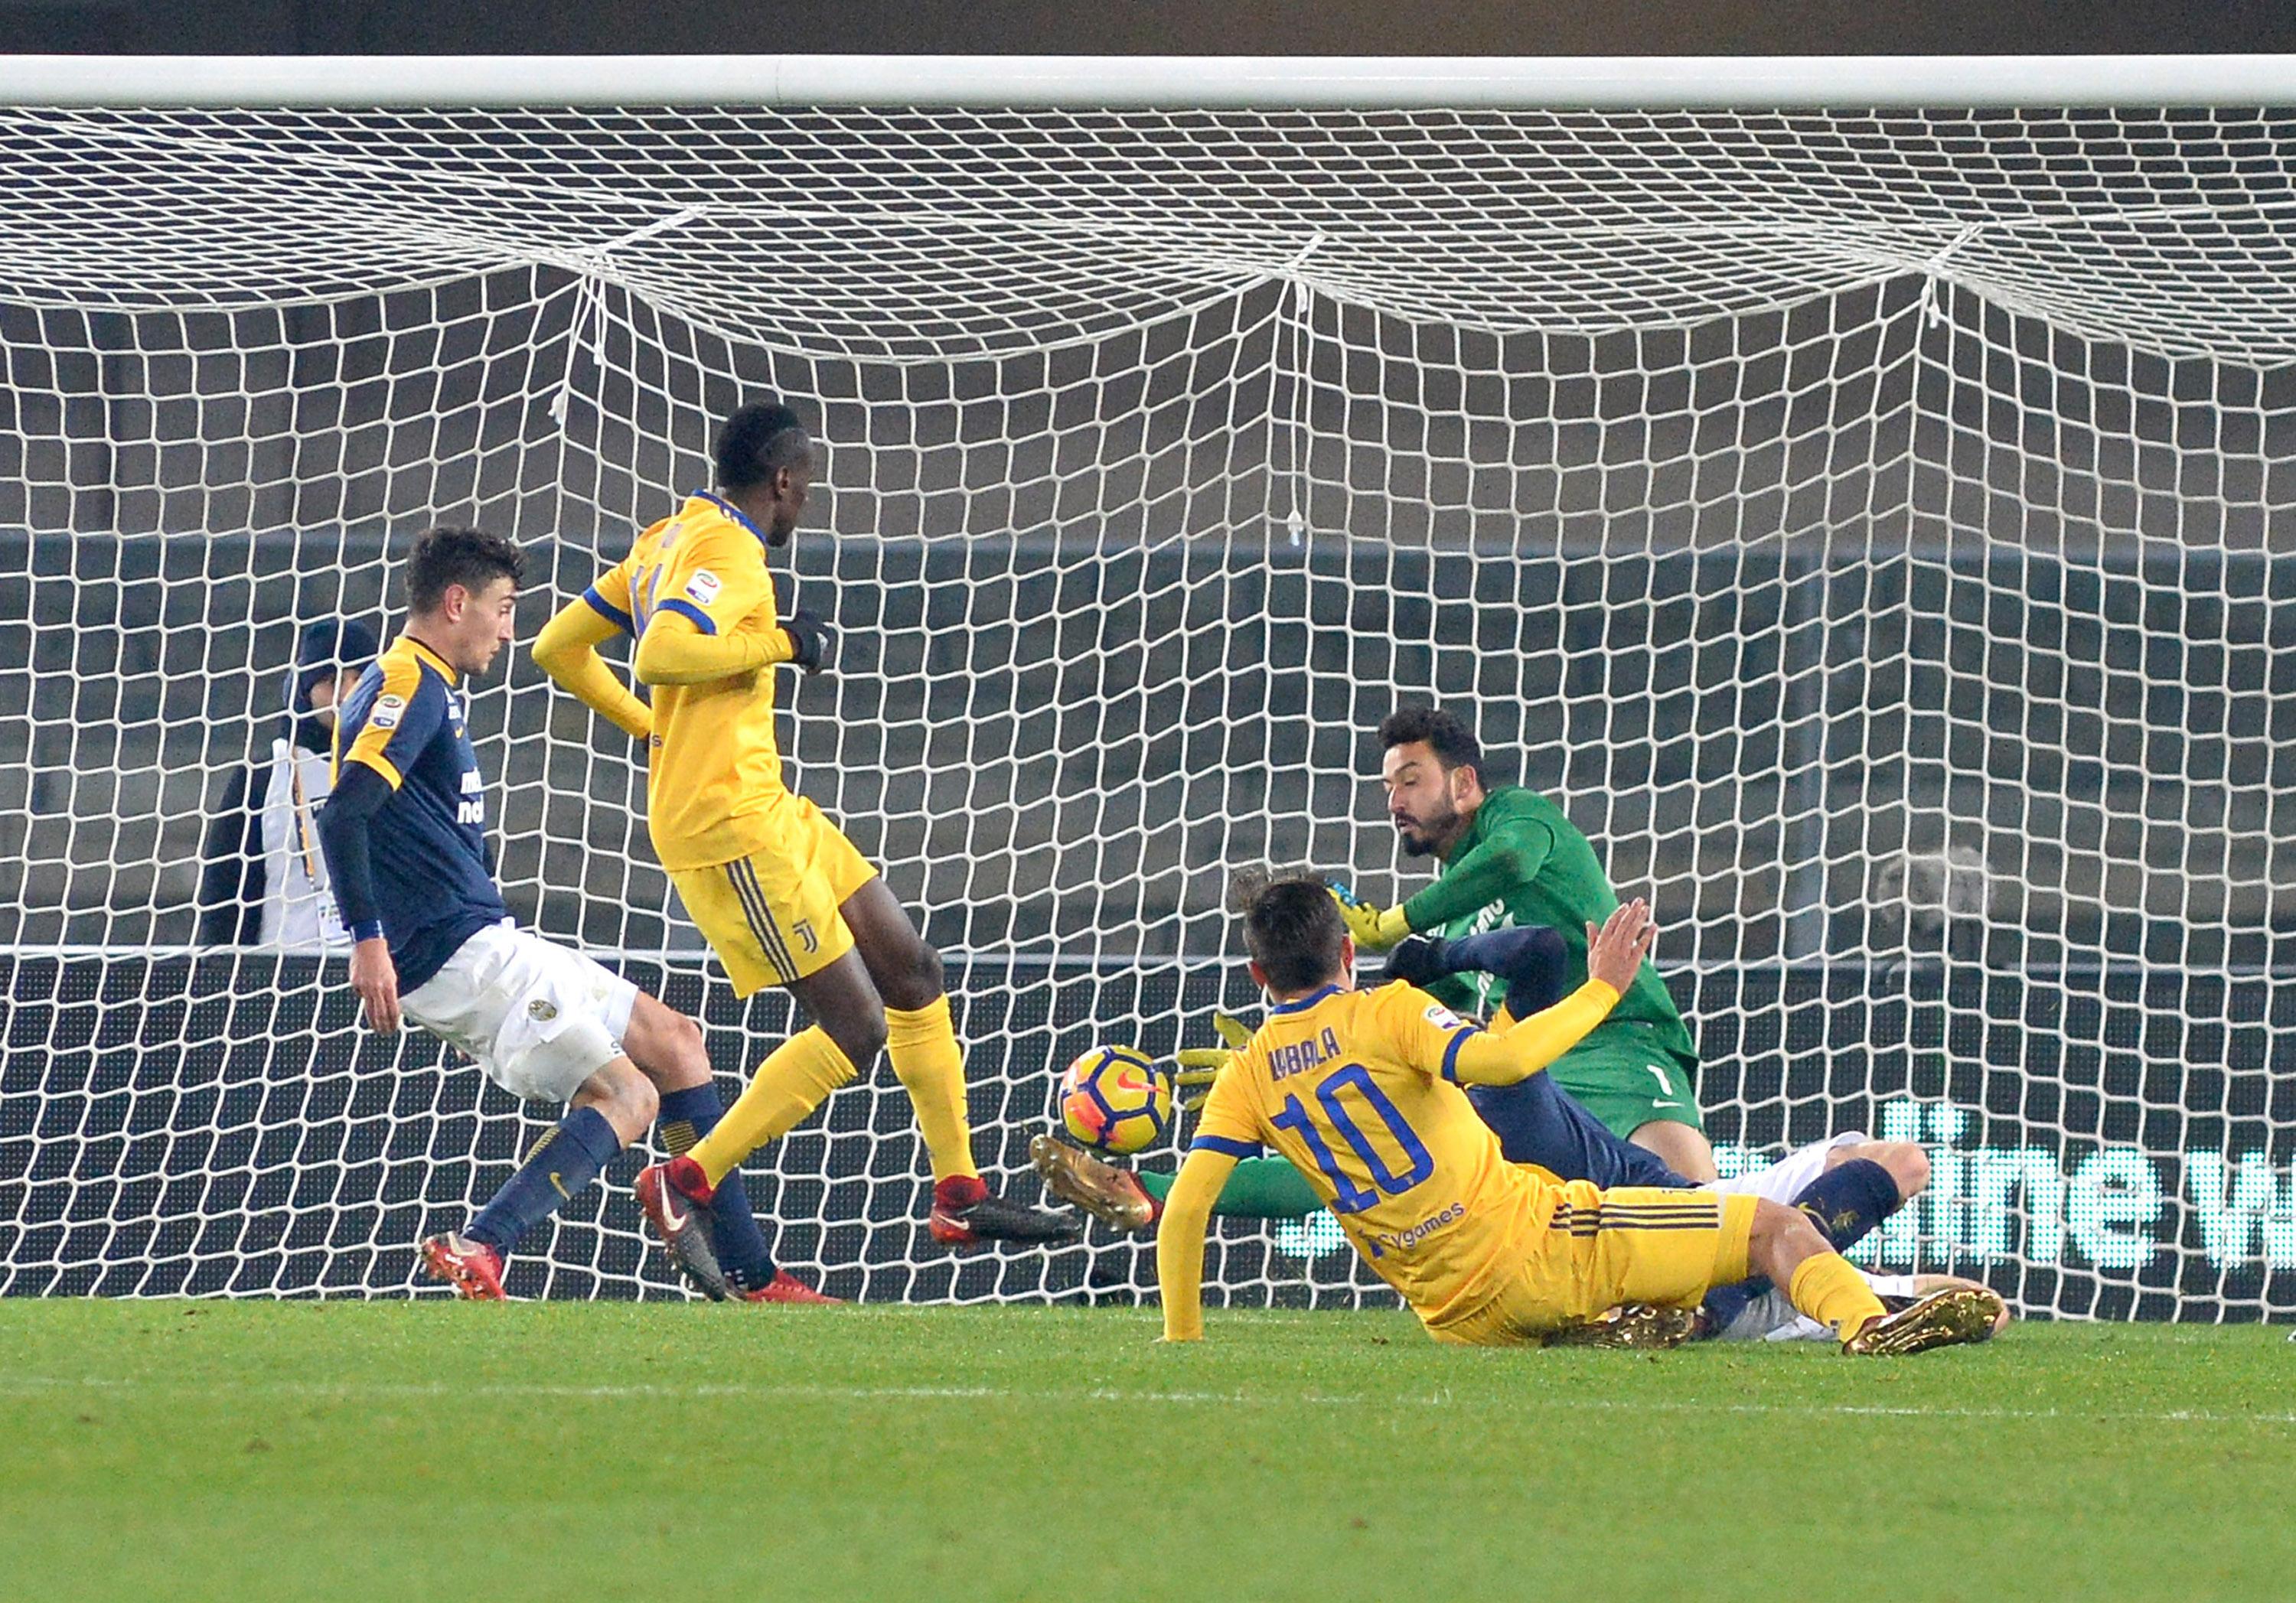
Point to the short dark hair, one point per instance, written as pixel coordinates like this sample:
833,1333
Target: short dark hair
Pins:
1454,744
1294,930
468,556
757,442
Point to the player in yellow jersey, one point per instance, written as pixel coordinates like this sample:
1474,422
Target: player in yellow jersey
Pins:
1360,1090
781,897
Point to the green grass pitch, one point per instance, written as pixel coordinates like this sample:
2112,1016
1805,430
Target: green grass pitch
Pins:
386,1451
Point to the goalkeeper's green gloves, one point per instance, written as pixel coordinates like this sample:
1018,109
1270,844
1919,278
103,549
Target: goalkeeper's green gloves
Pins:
1375,929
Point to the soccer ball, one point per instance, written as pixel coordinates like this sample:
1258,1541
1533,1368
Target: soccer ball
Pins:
1114,1099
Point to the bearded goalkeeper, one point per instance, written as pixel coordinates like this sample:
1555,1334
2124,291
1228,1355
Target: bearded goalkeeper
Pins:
781,897
1511,859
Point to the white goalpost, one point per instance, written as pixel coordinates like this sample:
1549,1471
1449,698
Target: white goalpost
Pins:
1863,492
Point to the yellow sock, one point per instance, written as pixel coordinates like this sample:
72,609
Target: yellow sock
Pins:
789,1083
1828,1287
922,1045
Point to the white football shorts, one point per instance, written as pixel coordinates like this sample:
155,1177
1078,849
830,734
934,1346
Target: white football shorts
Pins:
1791,1175
538,1018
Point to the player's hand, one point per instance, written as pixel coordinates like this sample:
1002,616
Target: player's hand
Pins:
1374,930
1615,952
813,644
1199,1066
1418,960
375,978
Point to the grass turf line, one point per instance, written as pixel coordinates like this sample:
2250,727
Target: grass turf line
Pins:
385,1450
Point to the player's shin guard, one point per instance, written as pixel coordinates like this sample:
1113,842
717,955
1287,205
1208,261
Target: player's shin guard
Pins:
1828,1287
561,1163
922,1043
793,1081
688,1115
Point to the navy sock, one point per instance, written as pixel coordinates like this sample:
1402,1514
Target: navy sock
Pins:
1845,1202
686,1116
1532,961
561,1163
1850,1200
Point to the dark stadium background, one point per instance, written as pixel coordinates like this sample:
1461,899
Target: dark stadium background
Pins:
1161,26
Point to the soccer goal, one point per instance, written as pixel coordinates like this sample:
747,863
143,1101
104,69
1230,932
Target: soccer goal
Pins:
1864,493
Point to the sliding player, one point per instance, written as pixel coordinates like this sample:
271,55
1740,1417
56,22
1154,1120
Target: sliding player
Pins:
404,837
1510,857
1361,1091
1511,860
1846,1185
780,895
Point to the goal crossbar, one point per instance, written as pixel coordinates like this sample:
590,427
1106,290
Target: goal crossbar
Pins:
1117,83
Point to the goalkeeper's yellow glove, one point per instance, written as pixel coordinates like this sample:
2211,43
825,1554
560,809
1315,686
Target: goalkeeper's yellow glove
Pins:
1200,1065
1374,930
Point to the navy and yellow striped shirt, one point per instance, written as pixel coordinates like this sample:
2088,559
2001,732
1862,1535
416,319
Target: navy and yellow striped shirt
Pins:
434,886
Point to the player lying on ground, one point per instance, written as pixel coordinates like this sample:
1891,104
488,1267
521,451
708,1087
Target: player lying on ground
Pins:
1361,1091
404,837
1846,1185
780,895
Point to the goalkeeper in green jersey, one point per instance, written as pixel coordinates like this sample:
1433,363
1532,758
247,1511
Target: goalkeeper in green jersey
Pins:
1509,859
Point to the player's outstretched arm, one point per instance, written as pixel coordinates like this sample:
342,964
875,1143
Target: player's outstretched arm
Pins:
567,649
1180,1241
1613,954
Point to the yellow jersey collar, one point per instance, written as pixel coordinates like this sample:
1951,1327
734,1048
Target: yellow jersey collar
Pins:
732,511
1302,1004
424,653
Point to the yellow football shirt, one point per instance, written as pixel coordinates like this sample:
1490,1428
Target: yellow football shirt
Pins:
714,769
1353,1088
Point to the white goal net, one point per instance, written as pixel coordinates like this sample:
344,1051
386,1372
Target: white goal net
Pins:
1878,529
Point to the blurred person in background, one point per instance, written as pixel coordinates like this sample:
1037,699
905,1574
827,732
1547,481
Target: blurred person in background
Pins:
263,881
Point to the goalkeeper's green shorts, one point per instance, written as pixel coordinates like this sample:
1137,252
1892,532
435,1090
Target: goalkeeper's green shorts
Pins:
1627,1083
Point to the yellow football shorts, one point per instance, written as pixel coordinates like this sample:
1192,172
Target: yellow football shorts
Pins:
1632,1244
771,917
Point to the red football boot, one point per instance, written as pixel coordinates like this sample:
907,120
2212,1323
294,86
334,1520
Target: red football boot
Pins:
965,1213
472,1268
786,1287
675,1196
